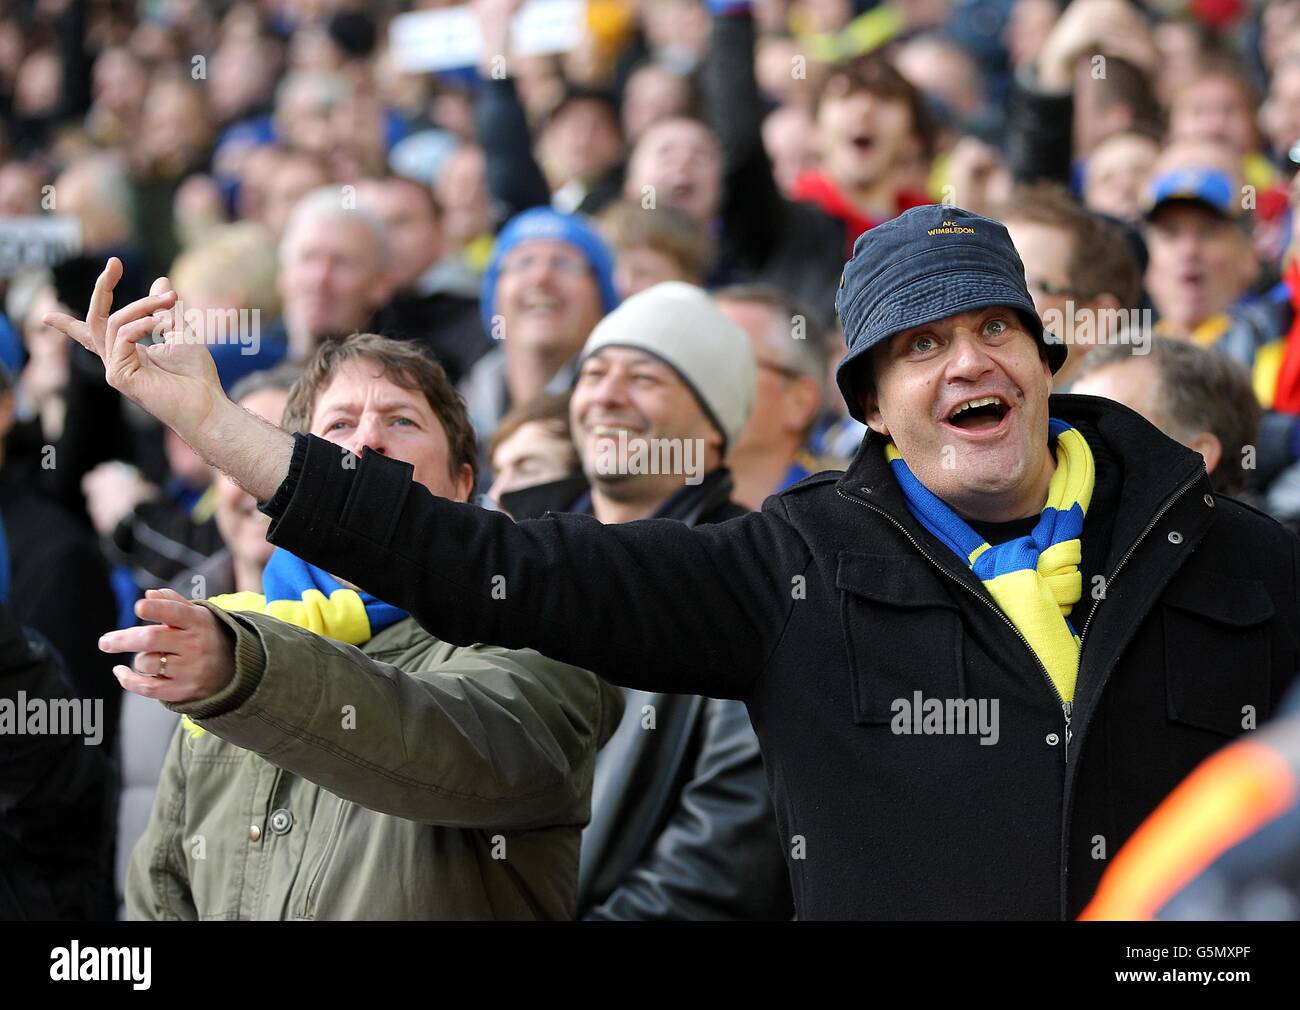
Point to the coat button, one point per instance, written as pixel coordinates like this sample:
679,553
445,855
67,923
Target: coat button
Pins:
254,833
1052,739
1175,537
281,822
1209,500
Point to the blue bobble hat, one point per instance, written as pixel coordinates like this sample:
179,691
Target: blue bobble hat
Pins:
541,224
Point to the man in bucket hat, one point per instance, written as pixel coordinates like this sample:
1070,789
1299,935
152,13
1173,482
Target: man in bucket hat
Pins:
975,661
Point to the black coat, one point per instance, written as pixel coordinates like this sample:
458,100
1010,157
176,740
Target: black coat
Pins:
60,585
667,800
57,798
831,603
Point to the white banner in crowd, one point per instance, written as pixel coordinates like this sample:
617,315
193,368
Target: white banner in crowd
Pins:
449,39
38,240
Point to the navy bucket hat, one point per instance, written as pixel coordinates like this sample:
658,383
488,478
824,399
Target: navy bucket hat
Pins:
927,264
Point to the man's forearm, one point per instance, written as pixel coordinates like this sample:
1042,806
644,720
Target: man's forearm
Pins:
513,176
425,758
469,575
254,453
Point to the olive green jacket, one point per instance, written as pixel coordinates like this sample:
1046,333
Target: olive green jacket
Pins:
411,779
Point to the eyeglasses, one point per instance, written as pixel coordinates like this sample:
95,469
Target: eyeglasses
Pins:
560,263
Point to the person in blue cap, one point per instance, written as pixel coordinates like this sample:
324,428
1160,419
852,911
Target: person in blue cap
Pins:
1201,270
1202,263
975,660
549,281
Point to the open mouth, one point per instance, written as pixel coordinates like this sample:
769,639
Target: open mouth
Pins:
541,304
863,143
981,414
614,431
680,193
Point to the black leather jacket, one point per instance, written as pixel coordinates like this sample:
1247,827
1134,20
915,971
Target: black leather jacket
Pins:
682,825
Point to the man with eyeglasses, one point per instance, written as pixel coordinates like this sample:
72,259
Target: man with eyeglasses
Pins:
790,351
1079,269
550,279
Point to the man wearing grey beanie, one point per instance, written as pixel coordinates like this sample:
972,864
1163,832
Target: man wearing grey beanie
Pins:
975,660
664,384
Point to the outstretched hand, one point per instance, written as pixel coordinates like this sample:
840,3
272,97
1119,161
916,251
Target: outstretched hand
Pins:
175,379
200,656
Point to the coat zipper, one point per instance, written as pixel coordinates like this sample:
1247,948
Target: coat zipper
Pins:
1067,710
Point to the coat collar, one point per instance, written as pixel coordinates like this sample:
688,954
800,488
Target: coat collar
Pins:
1154,465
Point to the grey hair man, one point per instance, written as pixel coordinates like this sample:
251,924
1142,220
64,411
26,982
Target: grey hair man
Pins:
790,351
1196,396
333,268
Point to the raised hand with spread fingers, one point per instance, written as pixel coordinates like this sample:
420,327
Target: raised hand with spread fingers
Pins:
175,380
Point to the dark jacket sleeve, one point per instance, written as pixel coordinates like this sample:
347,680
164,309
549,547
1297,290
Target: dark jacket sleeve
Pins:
1040,133
74,626
94,430
514,178
753,210
653,604
56,800
722,832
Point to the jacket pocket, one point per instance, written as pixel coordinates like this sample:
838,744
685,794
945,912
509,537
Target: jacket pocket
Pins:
902,631
1217,656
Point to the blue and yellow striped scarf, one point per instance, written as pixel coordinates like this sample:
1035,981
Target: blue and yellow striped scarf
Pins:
1034,579
302,594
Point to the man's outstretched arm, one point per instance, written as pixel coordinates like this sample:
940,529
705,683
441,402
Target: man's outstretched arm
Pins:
469,738
653,604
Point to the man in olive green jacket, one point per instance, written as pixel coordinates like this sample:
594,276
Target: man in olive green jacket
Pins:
475,763
407,778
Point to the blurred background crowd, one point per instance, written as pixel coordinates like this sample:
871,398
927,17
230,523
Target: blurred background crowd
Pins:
295,177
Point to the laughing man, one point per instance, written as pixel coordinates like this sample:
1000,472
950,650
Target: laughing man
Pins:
1059,555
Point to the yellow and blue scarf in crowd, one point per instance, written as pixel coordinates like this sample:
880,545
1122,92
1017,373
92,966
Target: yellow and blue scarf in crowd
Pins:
302,594
1034,579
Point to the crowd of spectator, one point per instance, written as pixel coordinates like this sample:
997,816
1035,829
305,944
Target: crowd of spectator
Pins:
642,235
